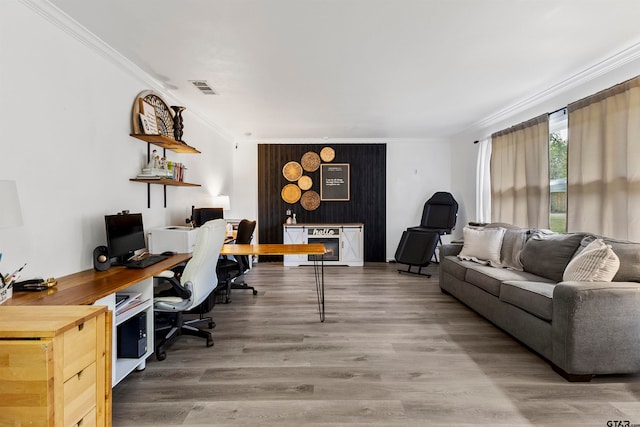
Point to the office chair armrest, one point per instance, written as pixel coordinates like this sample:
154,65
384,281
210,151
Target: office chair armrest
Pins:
166,274
176,288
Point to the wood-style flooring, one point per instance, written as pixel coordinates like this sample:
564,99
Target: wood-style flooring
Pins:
393,351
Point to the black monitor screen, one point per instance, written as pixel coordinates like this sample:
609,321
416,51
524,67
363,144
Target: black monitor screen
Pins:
125,234
202,215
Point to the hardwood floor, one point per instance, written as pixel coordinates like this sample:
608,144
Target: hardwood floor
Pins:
392,351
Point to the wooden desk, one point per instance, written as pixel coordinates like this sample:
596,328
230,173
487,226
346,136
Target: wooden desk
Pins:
316,249
99,288
87,287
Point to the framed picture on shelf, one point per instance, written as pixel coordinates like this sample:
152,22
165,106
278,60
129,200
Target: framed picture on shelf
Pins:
148,119
334,182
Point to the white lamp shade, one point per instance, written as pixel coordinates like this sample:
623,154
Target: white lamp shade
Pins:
10,213
221,201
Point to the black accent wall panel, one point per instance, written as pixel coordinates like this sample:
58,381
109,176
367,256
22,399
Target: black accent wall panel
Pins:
367,202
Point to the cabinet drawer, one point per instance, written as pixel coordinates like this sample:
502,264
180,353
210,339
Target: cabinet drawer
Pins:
79,395
79,348
89,420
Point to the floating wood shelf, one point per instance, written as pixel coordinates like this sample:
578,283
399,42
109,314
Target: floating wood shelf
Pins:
165,182
166,142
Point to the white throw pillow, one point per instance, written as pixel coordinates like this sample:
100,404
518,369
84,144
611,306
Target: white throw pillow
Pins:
596,263
482,245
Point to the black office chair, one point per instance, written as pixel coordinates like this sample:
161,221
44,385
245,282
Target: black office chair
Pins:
231,271
188,291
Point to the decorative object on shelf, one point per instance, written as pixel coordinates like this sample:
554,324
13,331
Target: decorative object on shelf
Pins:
291,193
148,118
305,182
292,171
310,161
178,125
164,115
310,200
327,154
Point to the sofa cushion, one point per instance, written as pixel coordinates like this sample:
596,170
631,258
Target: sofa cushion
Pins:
596,263
629,255
533,297
455,267
482,245
490,278
547,255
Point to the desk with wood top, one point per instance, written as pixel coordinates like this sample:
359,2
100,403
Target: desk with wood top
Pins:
317,250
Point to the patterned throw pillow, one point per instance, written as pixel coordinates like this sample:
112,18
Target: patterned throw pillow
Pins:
596,263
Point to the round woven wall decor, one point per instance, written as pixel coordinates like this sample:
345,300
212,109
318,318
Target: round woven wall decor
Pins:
305,182
310,200
327,154
310,161
290,193
292,171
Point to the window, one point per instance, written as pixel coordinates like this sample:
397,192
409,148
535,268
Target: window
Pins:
558,139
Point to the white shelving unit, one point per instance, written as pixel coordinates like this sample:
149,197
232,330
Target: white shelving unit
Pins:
121,367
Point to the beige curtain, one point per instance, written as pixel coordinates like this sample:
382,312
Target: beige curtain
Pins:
603,194
520,174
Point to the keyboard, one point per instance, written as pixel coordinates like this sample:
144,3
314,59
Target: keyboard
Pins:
146,262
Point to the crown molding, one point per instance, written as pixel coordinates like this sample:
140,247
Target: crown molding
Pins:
57,17
605,66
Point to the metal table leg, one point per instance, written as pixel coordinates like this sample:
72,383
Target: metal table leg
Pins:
319,276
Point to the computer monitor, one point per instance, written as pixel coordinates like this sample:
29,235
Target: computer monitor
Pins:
125,235
201,215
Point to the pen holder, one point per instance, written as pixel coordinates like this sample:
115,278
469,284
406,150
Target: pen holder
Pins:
5,294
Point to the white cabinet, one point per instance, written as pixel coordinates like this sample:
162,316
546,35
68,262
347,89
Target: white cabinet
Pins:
344,243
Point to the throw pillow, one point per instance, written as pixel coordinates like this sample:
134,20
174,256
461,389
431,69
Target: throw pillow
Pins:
547,255
596,263
629,255
482,245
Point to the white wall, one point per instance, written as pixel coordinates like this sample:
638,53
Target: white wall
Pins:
65,119
415,170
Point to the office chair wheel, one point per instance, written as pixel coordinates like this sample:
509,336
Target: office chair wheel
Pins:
209,342
161,355
255,292
212,325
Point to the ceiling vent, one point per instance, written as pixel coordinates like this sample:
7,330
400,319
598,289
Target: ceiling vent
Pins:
203,87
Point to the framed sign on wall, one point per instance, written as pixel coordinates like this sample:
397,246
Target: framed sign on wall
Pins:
334,182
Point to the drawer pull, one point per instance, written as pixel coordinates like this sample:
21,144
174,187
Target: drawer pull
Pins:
81,326
80,423
80,374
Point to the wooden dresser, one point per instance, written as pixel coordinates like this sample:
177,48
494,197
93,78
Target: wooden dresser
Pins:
55,365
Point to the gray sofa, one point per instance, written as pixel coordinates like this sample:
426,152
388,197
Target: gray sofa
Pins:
583,328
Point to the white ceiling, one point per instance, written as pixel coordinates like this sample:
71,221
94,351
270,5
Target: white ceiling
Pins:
359,68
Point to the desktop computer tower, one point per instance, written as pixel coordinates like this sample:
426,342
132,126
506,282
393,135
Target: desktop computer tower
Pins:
132,337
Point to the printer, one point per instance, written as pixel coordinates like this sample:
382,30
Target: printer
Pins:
172,238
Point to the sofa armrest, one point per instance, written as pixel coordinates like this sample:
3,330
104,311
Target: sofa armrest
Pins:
596,327
450,249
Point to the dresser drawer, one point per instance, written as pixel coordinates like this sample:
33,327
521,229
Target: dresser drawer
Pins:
79,348
79,395
89,420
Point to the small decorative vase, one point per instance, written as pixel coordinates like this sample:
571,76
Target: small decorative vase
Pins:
178,126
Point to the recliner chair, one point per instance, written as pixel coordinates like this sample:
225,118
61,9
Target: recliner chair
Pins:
191,289
418,244
231,271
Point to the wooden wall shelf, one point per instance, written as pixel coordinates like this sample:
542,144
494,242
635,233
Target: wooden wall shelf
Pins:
165,182
166,142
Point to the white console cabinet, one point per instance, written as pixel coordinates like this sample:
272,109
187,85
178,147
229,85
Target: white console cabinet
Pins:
344,243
